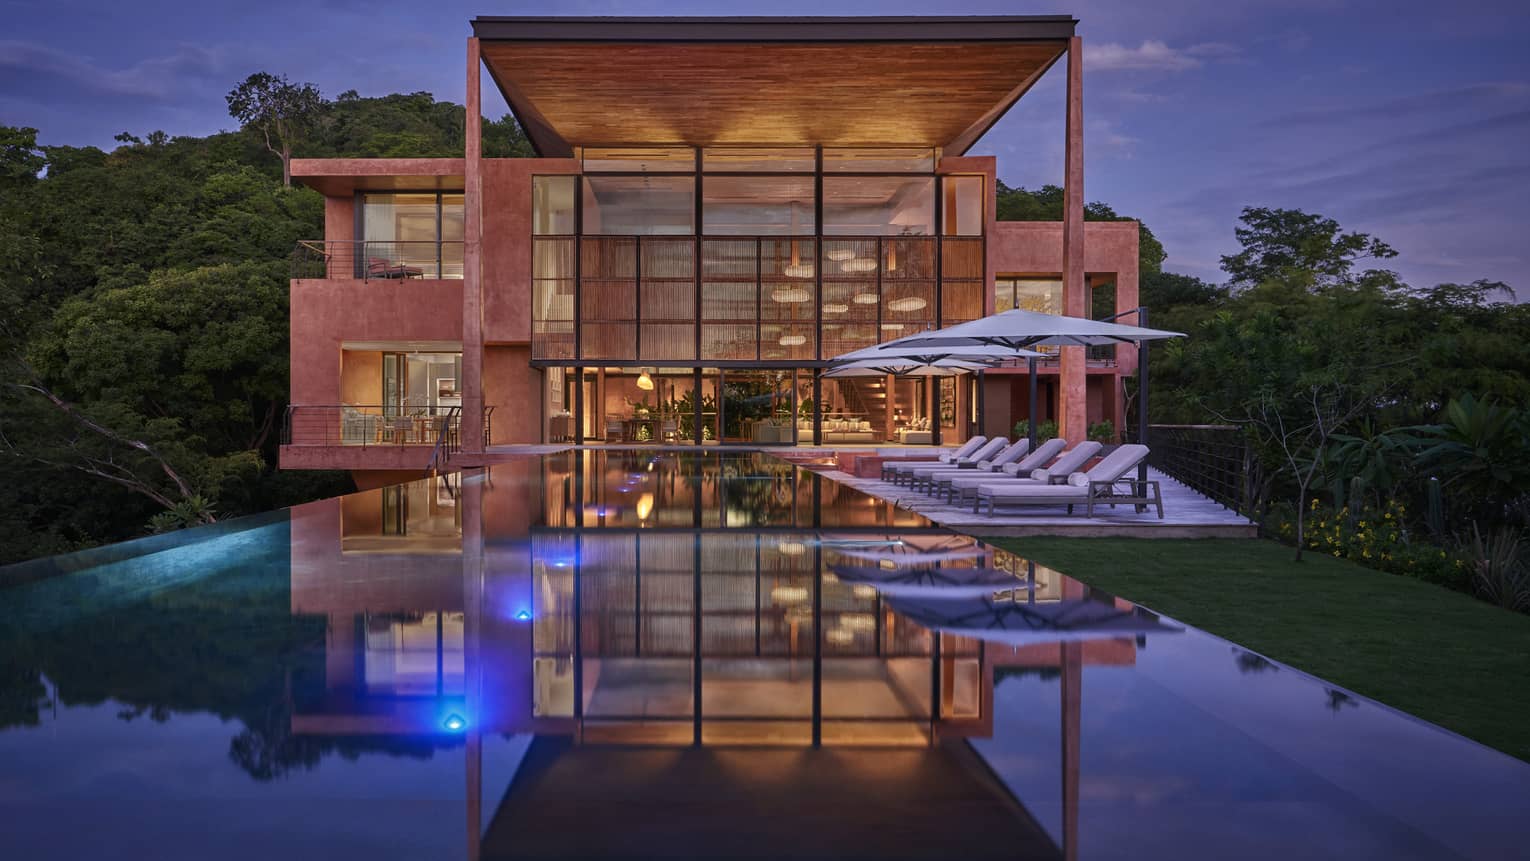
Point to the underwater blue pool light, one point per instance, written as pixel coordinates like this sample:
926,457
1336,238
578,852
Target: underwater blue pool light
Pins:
455,722
523,616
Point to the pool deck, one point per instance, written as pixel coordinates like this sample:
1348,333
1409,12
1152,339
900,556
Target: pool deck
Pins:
1187,513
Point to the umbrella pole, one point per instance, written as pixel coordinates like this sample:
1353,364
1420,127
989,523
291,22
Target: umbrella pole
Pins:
1031,422
982,423
1142,401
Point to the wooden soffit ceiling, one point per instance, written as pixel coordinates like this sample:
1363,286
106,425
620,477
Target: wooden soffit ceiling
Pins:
834,92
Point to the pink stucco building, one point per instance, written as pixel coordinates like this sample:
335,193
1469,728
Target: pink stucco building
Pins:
718,207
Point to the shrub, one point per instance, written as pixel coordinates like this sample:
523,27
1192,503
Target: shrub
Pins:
1044,431
1500,565
1375,538
1103,432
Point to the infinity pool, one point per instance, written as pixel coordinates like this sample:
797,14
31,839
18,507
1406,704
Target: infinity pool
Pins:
631,654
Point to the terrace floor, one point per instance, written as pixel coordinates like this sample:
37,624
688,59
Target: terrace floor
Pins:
1186,514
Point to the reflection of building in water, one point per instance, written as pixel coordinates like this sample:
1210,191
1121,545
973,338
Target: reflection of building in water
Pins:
654,649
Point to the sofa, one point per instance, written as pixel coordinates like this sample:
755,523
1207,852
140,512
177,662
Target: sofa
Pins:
846,431
917,432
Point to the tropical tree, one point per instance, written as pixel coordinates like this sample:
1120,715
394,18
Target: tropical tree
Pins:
1280,243
283,112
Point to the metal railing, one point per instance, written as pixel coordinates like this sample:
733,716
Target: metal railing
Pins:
372,260
366,425
1214,460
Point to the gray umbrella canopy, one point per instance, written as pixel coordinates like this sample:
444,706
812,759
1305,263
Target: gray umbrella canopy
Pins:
1019,329
1016,622
904,349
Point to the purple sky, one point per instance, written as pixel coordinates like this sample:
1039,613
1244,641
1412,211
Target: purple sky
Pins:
1406,119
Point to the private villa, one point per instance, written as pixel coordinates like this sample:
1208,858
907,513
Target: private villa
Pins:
717,208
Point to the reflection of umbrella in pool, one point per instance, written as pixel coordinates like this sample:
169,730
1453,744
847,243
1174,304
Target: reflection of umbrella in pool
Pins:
1018,623
930,582
903,558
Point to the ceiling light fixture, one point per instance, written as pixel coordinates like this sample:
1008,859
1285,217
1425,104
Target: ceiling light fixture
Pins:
864,298
790,295
835,308
907,303
839,254
858,264
793,340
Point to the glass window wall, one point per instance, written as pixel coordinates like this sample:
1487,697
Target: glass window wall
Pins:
800,159
879,160
668,159
878,206
962,211
410,235
639,205
552,205
757,206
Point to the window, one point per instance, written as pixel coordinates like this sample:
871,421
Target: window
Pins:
757,206
639,205
1032,294
411,235
879,160
672,159
421,384
800,159
878,206
552,205
962,210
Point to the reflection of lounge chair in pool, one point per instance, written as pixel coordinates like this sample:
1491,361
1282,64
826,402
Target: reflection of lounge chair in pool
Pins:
896,471
1103,484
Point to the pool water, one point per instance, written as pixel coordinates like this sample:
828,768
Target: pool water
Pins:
635,654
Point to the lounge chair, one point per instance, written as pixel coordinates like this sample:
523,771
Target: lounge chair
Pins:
933,476
1097,486
1056,472
920,474
893,470
957,485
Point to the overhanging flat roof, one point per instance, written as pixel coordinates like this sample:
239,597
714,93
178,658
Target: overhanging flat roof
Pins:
926,81
337,177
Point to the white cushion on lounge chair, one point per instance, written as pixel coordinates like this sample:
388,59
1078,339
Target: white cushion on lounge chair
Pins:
1040,475
1043,453
1078,479
1112,467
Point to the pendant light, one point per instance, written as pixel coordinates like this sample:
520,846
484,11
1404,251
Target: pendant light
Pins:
644,381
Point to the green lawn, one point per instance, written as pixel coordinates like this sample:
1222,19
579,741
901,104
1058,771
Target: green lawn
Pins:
1441,655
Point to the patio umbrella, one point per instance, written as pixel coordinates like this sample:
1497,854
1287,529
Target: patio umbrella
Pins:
1019,329
941,356
930,582
1018,623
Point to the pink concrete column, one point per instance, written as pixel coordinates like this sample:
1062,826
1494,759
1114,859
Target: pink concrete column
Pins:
1072,400
472,275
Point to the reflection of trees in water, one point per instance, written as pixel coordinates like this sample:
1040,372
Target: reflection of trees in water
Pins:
1248,662
225,645
1338,700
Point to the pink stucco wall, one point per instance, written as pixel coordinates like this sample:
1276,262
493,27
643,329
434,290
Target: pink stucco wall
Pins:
327,312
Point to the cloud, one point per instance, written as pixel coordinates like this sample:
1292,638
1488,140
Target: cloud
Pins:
1472,97
1153,54
44,72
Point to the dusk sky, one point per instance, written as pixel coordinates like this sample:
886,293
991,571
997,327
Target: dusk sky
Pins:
1409,120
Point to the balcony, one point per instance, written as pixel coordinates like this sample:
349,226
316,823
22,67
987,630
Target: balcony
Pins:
373,260
372,436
